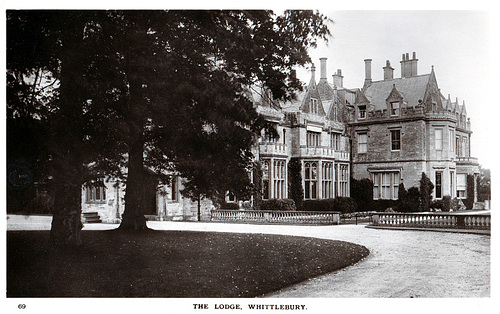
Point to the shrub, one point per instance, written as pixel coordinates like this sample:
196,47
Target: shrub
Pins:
362,192
257,184
277,204
381,205
339,204
437,204
408,201
426,187
295,190
345,205
231,206
469,201
446,203
319,205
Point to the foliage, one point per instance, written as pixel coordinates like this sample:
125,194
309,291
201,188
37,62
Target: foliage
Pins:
469,201
340,204
257,183
345,205
362,192
277,204
484,185
426,188
231,206
446,203
319,205
295,189
174,100
408,201
382,205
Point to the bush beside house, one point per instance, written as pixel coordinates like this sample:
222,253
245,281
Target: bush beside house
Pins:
277,204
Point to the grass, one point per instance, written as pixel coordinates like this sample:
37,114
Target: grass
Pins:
169,264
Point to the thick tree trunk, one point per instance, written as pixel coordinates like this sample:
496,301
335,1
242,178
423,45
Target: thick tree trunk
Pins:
66,221
66,140
133,215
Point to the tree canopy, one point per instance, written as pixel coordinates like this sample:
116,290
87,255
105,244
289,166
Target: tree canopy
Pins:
161,90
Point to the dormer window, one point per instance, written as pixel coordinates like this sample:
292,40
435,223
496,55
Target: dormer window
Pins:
314,105
362,112
394,108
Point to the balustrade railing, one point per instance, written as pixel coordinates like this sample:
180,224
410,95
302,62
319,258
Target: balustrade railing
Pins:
273,148
420,220
289,217
467,160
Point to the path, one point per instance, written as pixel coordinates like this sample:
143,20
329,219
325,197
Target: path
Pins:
401,264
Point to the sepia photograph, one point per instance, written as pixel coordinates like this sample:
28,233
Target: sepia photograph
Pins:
219,159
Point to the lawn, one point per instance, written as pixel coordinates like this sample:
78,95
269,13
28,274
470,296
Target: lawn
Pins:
169,264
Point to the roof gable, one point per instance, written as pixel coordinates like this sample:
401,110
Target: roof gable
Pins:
312,93
411,89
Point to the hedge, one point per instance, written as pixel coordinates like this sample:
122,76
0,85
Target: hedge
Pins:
339,204
319,205
231,206
277,204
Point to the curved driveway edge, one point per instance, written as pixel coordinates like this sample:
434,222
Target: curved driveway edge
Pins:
401,264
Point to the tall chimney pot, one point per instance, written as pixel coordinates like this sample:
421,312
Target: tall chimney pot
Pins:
338,79
322,69
388,71
368,71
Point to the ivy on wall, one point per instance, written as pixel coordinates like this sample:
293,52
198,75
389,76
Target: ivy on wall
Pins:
469,201
295,190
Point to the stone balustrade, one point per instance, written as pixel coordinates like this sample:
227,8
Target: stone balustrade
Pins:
288,217
423,220
270,148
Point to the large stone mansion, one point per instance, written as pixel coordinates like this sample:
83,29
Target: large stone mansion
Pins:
389,131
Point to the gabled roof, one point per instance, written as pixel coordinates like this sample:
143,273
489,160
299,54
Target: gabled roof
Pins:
412,89
306,101
325,90
362,99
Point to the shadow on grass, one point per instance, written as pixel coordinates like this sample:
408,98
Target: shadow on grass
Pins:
169,264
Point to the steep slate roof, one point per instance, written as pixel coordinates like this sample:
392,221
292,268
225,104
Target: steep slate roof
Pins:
411,88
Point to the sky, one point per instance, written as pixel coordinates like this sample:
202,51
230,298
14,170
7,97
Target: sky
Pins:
457,43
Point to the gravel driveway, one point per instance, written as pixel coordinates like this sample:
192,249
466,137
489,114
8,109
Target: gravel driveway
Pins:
401,264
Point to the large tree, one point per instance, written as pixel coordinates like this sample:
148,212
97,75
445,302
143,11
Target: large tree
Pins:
187,105
166,91
53,94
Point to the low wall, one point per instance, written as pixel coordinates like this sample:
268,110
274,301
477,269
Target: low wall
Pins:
420,220
289,217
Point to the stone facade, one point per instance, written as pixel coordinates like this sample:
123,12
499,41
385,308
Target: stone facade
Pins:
403,127
312,129
389,131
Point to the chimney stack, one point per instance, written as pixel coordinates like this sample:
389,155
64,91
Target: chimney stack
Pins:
388,71
323,70
414,65
409,67
313,73
338,79
368,71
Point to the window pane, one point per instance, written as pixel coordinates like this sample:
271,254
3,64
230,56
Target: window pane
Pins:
438,139
395,139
